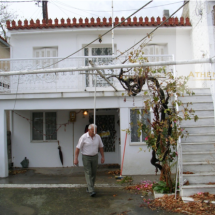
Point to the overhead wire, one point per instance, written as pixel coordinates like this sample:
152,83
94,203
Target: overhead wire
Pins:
154,29
36,12
64,9
59,8
98,37
62,4
120,10
14,1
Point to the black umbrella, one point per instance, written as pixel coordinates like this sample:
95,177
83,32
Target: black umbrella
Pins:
60,153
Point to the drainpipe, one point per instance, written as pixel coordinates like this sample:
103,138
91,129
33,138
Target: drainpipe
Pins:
112,31
95,102
73,134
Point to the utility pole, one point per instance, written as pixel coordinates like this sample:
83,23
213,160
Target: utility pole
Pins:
45,10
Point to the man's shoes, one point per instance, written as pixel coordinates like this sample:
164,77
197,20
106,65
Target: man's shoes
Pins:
92,194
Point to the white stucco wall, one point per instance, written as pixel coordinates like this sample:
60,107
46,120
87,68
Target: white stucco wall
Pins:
176,39
202,38
137,157
46,154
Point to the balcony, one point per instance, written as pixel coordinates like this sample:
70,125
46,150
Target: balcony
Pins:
61,81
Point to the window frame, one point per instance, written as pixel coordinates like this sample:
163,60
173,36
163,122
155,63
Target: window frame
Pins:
141,141
39,62
44,127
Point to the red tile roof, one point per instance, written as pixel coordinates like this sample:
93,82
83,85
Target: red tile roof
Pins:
104,23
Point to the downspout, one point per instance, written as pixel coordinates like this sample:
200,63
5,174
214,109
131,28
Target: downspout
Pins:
95,78
112,31
73,145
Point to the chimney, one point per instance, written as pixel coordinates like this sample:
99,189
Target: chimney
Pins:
45,10
166,13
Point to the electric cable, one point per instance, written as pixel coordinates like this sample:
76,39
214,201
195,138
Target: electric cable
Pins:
59,8
62,4
98,37
62,9
153,30
120,10
14,1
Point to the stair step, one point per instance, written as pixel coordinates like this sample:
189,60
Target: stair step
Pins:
199,166
198,156
196,98
207,120
198,178
198,153
188,190
201,146
209,112
199,105
198,149
189,199
207,137
199,129
201,90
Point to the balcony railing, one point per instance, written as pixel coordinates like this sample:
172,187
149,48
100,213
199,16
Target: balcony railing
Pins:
60,81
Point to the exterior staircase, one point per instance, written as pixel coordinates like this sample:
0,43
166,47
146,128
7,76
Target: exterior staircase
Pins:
198,149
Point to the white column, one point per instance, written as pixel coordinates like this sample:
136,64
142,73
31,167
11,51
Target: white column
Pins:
124,124
3,145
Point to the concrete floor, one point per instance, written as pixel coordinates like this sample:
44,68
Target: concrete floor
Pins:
70,175
111,197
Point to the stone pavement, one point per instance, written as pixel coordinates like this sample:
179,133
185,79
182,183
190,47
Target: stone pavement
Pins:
111,198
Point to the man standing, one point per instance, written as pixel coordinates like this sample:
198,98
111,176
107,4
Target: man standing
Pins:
89,144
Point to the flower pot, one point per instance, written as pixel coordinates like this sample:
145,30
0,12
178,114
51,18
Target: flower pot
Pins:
159,195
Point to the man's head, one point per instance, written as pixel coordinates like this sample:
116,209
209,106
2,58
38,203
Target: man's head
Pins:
91,129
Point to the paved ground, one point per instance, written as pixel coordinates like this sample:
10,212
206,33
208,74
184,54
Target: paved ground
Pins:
110,200
66,201
71,175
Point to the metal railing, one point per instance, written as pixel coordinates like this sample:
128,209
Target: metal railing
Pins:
61,81
179,167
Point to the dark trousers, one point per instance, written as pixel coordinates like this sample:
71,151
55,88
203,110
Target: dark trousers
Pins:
90,167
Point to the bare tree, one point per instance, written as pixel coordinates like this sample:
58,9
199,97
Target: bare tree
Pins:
5,15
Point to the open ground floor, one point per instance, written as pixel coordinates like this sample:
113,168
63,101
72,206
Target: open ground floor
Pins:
43,126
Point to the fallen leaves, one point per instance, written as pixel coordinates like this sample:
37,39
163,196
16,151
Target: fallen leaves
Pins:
211,183
145,187
114,172
188,172
15,172
187,183
169,203
203,196
121,213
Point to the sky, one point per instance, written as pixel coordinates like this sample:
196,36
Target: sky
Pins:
91,8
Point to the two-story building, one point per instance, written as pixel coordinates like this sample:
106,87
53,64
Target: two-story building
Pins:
41,104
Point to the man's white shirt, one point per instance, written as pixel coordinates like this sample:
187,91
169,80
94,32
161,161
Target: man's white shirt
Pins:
88,145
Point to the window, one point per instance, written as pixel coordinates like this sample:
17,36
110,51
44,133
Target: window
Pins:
155,50
44,126
136,116
98,51
50,53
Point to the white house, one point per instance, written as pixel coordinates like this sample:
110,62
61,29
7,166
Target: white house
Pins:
41,105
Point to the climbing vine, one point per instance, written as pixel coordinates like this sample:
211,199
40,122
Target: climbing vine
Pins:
162,91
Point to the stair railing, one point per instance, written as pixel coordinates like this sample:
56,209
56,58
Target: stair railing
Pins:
179,169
